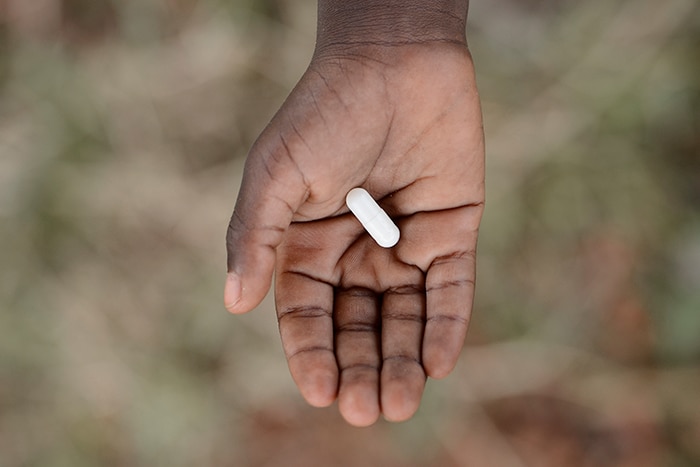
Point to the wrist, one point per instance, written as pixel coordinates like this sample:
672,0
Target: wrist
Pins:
343,23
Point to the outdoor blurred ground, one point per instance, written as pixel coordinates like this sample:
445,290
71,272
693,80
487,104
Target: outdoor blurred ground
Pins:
123,129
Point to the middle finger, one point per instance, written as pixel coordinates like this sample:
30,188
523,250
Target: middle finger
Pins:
358,351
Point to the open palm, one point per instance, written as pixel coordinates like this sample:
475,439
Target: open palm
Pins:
358,322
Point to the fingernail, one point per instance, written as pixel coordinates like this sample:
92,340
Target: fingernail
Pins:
232,291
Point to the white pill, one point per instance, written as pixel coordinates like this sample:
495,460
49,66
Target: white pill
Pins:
373,218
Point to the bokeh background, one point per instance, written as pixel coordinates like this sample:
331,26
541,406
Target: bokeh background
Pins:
124,125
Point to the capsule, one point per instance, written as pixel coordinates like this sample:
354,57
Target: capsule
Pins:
373,218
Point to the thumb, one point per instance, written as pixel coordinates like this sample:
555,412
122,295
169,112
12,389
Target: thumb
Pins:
272,190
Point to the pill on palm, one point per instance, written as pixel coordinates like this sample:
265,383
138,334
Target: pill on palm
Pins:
373,218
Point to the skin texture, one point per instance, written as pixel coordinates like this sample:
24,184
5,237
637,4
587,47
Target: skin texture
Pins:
359,323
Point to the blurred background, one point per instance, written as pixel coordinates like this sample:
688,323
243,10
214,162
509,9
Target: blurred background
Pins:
124,125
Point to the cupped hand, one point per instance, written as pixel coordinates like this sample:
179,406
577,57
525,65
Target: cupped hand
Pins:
358,322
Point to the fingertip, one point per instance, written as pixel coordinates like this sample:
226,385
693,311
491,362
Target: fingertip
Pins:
244,293
233,293
437,364
399,407
321,392
359,404
440,372
402,388
357,412
317,379
442,346
320,400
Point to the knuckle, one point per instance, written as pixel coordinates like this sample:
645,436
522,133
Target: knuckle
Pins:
451,319
303,312
302,351
403,358
360,366
455,257
357,327
412,317
407,289
452,283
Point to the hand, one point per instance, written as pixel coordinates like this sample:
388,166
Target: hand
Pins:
359,322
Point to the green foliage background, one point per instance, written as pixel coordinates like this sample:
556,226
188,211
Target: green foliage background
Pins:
123,129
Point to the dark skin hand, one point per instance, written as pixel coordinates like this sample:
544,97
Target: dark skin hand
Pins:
397,113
